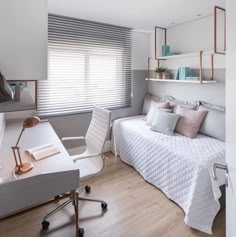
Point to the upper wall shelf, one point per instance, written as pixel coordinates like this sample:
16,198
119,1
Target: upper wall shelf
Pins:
195,54
182,81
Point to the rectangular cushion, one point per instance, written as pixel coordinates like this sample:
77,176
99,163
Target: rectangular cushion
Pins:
147,102
165,122
153,110
189,122
174,102
213,124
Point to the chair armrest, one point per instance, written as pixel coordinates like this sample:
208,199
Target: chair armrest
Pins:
78,157
72,138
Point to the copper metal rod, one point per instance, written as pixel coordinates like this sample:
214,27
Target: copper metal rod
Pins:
215,12
212,66
36,94
200,69
155,43
149,68
225,32
22,130
13,149
215,30
18,152
165,40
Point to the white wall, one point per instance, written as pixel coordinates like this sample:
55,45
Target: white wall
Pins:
230,118
192,37
23,41
140,50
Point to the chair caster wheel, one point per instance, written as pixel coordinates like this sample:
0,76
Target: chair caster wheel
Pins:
104,205
87,189
81,232
45,225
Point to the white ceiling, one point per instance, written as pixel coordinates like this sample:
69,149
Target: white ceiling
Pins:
138,14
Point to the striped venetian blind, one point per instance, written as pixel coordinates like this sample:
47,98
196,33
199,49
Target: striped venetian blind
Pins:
89,63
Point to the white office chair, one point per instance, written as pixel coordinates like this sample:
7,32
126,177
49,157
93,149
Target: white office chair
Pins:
95,139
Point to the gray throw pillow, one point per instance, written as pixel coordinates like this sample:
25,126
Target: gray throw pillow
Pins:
165,122
152,114
147,103
174,102
214,123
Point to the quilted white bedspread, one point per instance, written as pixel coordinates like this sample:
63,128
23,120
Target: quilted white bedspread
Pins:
177,165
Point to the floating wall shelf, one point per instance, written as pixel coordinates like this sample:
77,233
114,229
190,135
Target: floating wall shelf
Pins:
182,81
186,55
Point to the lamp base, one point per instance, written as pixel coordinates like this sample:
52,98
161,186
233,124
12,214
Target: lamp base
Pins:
24,168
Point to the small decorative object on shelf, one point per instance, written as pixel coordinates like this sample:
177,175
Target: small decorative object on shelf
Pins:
183,73
165,75
165,50
6,92
159,71
172,53
17,92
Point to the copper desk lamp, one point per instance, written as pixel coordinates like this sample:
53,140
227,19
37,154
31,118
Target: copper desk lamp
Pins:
22,168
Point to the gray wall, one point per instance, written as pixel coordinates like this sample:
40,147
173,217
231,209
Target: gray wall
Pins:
77,125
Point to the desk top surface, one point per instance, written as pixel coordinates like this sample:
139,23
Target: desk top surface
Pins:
42,134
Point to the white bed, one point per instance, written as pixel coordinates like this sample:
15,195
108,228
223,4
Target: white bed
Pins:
177,165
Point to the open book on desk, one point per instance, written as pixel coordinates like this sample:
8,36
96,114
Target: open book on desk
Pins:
43,151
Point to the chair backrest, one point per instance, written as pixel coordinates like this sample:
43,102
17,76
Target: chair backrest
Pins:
98,130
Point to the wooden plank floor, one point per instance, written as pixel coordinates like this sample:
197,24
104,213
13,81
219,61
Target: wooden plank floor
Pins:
136,208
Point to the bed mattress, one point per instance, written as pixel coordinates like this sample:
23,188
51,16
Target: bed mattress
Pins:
177,165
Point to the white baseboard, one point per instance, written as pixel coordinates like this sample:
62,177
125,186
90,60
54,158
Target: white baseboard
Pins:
78,150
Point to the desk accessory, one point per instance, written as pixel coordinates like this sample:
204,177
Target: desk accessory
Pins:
22,168
5,90
43,151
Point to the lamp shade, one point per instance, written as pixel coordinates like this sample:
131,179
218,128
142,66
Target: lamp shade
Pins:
31,122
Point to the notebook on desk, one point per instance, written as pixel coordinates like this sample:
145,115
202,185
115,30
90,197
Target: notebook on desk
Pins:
43,151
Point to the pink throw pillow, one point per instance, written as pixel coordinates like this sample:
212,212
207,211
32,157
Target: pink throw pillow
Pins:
189,122
154,104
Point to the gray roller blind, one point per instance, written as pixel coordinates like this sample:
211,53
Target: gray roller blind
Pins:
89,64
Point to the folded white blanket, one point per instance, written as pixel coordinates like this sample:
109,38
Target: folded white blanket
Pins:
177,165
43,151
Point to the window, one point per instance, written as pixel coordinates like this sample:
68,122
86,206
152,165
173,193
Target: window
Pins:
89,64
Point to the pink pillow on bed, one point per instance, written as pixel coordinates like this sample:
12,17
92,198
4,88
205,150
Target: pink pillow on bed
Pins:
189,122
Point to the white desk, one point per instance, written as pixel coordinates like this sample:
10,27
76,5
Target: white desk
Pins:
50,177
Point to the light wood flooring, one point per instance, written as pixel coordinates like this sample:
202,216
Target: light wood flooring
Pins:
136,208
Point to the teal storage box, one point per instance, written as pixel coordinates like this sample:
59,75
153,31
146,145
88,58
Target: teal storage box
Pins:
184,72
165,50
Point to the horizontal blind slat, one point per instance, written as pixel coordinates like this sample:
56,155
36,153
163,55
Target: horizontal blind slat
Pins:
88,63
